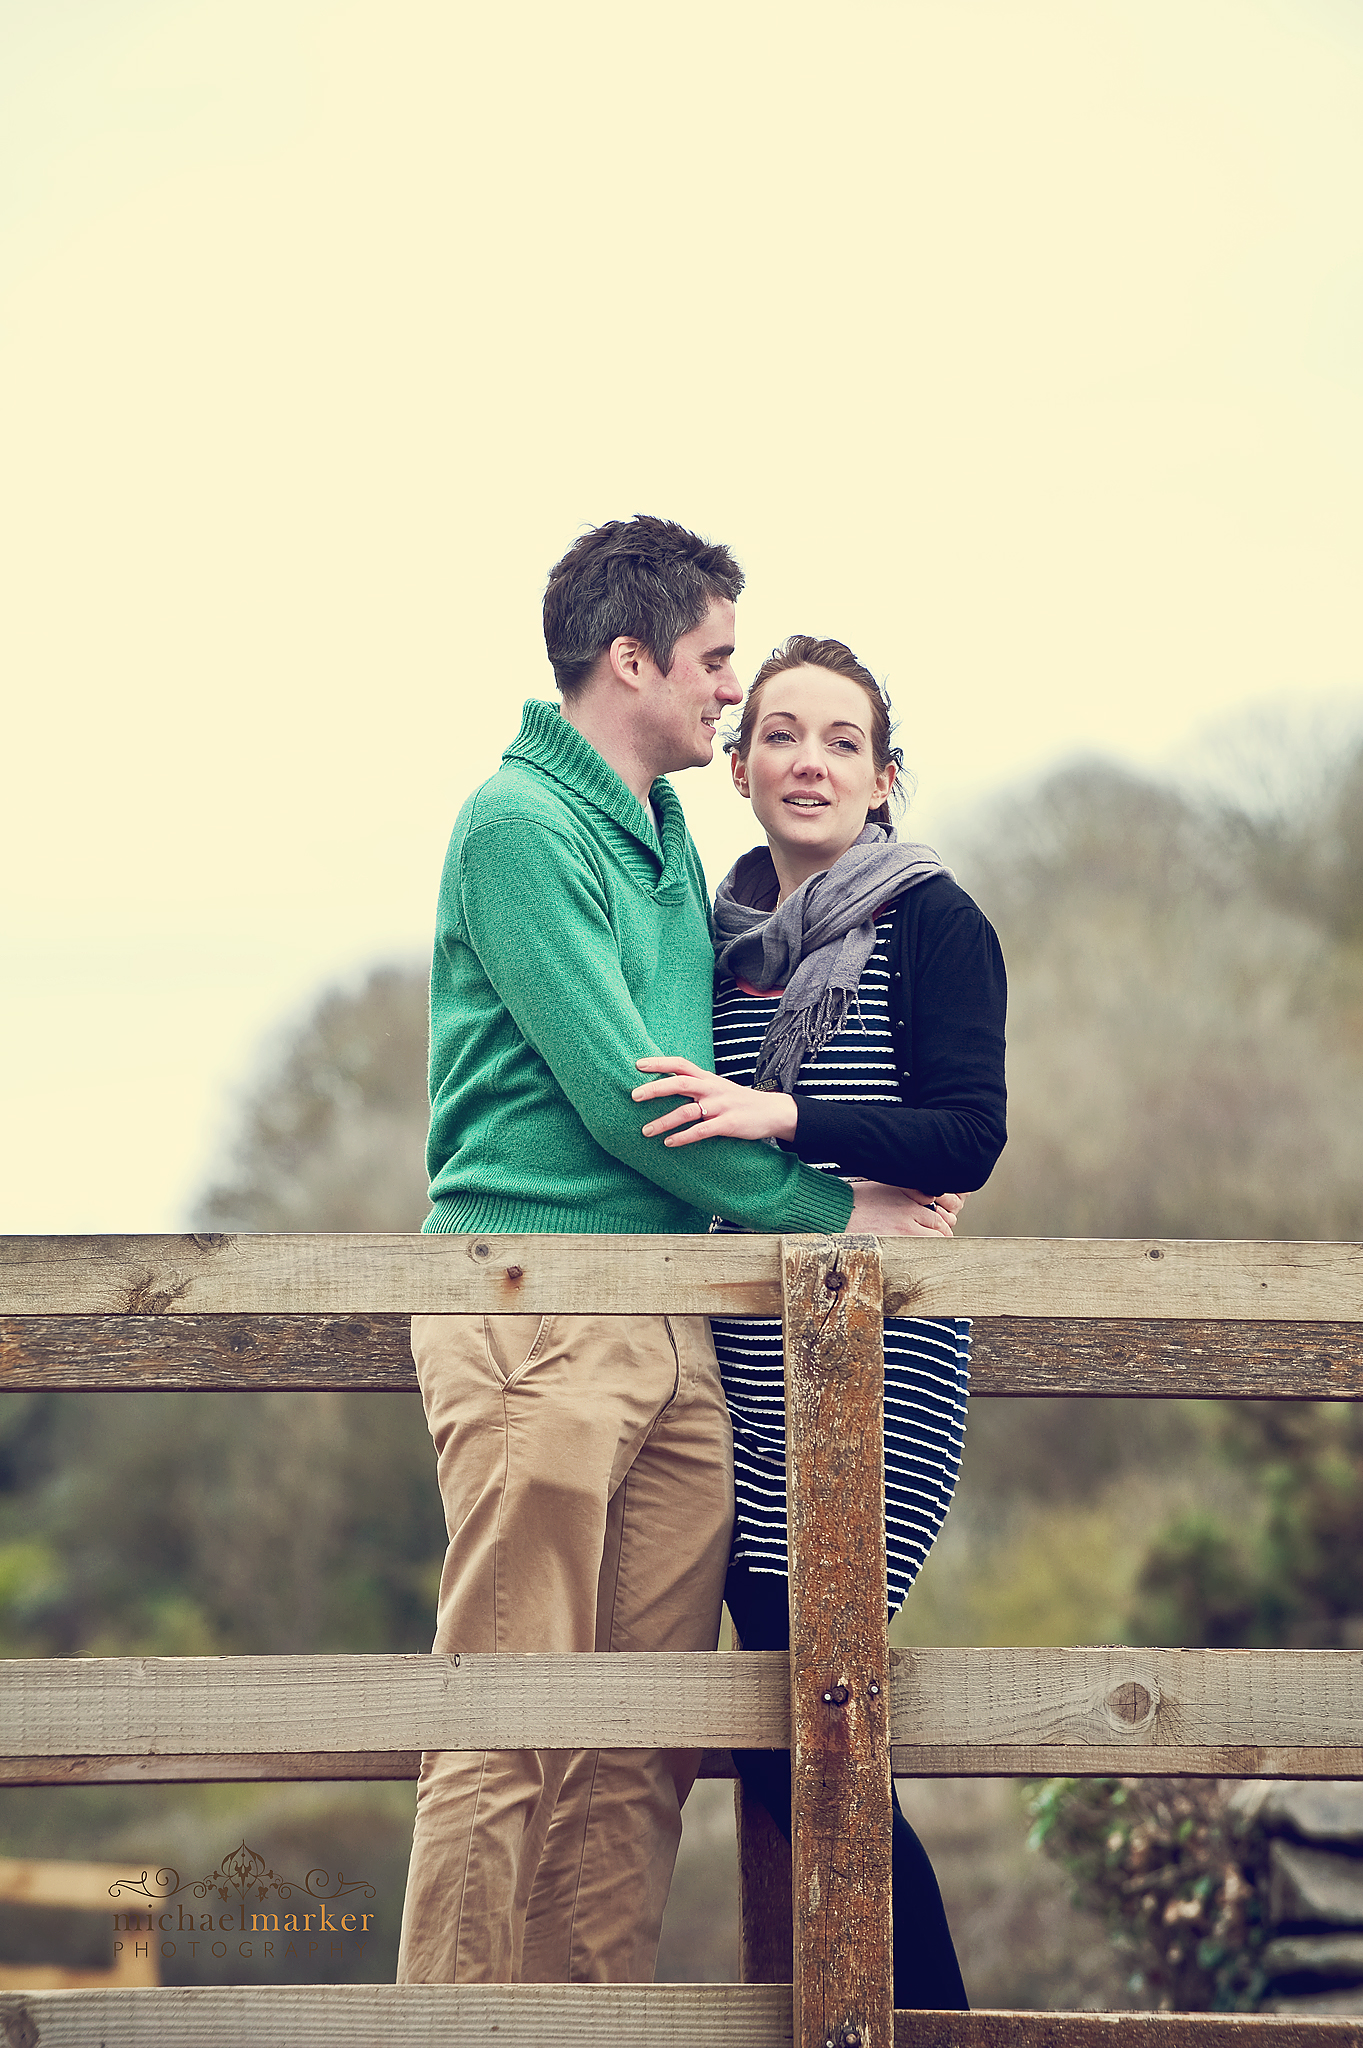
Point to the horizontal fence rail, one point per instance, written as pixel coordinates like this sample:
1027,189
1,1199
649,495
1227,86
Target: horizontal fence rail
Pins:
1051,1316
578,2016
731,1275
1175,1359
953,1713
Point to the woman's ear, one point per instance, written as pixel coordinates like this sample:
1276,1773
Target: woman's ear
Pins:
885,782
738,769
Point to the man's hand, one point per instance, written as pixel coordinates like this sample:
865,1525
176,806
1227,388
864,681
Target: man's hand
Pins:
716,1109
882,1211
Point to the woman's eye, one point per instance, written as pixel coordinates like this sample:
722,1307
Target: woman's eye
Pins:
778,734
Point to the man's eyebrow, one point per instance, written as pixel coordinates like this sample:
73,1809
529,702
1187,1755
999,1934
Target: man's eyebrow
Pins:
718,653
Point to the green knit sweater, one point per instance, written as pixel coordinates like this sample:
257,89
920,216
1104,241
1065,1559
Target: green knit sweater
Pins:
569,943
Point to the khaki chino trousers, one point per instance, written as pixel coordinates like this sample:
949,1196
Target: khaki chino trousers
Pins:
586,1468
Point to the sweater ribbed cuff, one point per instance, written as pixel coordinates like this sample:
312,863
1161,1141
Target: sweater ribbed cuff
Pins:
820,1203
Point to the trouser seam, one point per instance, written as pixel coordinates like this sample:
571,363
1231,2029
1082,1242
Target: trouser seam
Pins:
582,1857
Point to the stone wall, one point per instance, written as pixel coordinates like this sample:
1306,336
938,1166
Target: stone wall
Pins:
1314,1838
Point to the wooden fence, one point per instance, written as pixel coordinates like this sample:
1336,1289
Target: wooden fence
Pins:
1073,1316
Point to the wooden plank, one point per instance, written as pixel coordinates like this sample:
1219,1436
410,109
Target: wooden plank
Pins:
735,1275
1084,1760
1122,2030
333,1767
839,1661
43,1882
210,1706
207,1354
1178,1360
766,1914
907,1760
322,1766
579,2016
953,1712
1125,1700
401,2016
1010,1355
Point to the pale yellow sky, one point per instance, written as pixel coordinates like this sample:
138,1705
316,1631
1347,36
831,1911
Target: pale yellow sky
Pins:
1019,342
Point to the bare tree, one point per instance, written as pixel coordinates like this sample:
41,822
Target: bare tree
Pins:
333,1133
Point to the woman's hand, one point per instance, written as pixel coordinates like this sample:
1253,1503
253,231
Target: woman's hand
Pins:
717,1108
883,1211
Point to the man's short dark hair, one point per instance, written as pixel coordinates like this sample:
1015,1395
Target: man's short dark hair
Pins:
645,578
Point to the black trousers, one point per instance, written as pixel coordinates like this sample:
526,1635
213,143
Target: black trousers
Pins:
927,1976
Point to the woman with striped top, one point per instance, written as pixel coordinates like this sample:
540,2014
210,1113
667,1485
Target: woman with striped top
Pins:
859,1008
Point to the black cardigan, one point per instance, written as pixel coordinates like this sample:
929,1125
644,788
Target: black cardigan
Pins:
948,996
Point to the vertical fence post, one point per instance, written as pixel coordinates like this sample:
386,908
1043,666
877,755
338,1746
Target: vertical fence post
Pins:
839,1657
765,1954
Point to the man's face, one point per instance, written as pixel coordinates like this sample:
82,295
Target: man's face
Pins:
682,709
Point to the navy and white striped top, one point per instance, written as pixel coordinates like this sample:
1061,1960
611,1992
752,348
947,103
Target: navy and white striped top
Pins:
926,1359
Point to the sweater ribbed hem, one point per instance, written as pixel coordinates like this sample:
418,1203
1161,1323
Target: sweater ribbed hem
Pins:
509,1217
821,1203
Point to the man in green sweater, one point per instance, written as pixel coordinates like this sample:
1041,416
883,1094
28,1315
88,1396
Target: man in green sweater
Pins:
585,1462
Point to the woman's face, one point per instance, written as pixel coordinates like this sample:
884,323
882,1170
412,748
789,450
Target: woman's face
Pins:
810,772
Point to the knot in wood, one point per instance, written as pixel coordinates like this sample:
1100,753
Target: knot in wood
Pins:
482,1251
1130,1702
18,2028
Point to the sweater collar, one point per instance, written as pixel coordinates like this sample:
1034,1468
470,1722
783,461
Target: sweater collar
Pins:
548,742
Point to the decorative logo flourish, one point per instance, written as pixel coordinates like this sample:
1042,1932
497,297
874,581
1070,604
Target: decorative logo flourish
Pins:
242,1872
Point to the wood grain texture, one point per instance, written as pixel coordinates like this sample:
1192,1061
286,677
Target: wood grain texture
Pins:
735,1275
1178,1360
907,1760
322,1766
839,1661
1081,1760
578,2016
211,1706
401,2016
1120,2030
766,1951
1125,1700
259,1768
207,1354
1010,1355
952,1713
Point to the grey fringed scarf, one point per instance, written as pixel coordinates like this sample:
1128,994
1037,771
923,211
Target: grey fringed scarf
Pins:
815,944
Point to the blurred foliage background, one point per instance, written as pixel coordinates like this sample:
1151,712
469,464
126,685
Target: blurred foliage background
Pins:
1186,1059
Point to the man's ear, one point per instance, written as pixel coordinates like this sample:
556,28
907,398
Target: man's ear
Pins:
738,769
628,659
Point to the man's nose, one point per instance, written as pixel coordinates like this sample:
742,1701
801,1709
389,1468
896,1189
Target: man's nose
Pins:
730,690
